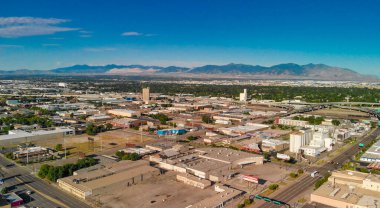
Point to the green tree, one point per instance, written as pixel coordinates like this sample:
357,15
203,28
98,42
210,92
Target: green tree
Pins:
300,171
108,126
131,156
192,138
273,187
44,170
293,175
58,147
4,190
335,122
161,117
247,202
207,119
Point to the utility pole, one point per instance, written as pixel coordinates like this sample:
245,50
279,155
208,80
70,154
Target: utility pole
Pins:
64,143
27,151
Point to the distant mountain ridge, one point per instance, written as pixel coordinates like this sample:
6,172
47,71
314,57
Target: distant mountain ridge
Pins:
282,71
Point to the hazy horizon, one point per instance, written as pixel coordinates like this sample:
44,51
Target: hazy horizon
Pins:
44,35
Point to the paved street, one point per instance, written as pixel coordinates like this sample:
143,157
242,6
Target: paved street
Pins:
44,195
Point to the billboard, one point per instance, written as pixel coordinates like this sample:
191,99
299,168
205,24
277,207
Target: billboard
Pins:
250,178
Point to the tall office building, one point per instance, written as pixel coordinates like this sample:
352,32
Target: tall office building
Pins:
244,95
146,95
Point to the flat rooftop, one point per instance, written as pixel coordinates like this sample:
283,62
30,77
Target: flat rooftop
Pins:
224,154
344,193
218,198
14,134
114,173
373,152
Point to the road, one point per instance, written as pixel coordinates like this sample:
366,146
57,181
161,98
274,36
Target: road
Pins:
306,182
49,195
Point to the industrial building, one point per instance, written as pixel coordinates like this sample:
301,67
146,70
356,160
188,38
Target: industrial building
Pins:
126,122
124,113
299,139
224,196
98,118
29,152
291,122
349,189
276,145
193,181
214,164
107,179
164,132
372,154
240,130
20,136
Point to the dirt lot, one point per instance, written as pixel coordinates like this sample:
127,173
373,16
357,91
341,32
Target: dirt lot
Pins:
103,142
163,191
340,113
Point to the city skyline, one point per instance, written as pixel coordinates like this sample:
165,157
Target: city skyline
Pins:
46,35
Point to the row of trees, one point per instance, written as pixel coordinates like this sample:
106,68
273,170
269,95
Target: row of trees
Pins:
313,120
127,156
26,120
93,129
278,93
53,173
321,181
161,117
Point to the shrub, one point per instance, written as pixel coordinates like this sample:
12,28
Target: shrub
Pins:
300,171
273,187
247,202
240,206
59,147
293,175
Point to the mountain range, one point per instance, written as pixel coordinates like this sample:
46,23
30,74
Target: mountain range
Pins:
280,71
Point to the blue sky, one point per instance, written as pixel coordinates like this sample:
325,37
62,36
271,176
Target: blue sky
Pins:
45,34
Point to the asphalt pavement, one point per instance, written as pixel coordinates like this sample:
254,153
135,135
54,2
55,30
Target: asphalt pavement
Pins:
44,194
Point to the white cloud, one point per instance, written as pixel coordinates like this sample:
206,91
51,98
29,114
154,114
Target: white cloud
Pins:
99,49
131,34
14,27
30,21
137,34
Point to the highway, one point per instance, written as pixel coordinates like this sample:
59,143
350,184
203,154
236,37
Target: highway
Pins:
307,182
50,193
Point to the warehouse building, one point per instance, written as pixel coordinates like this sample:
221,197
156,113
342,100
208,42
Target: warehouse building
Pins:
112,177
224,196
214,164
372,154
124,113
127,122
20,136
193,181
